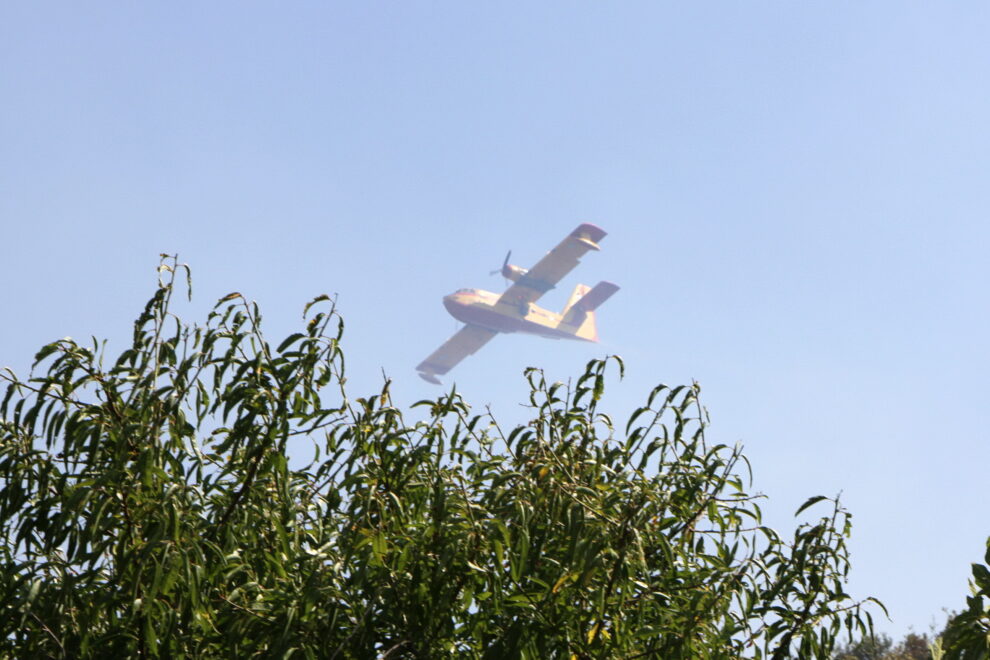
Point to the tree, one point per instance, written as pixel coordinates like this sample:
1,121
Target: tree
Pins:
882,647
967,634
150,507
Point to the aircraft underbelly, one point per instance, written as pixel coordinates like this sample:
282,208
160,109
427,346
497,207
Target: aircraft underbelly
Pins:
488,317
484,316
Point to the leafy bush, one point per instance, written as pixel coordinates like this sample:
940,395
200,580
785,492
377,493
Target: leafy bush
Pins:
150,508
967,635
882,647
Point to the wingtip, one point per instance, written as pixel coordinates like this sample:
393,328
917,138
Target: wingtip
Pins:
589,231
430,377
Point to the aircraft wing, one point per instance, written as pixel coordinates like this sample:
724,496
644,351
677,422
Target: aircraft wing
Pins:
465,341
552,268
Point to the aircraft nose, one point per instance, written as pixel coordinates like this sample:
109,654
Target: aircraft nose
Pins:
456,301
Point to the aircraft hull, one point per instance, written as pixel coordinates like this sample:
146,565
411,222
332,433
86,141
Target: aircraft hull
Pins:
504,318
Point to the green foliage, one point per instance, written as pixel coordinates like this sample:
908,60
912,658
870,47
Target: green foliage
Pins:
150,508
967,635
881,647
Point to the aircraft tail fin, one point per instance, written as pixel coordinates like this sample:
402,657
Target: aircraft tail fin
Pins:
579,292
579,315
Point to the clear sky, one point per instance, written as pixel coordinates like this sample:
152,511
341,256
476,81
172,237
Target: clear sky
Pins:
796,196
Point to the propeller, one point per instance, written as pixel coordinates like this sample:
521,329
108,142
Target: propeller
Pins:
504,264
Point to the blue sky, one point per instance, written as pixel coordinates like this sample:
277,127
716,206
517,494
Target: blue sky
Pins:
795,194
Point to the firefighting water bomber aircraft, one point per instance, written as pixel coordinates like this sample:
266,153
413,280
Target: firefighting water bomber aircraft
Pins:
487,314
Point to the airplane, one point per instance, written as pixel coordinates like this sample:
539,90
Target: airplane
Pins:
486,314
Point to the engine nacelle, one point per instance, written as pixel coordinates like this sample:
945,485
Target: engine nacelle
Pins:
513,273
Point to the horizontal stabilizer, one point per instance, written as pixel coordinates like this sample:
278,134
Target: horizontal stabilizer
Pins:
594,298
